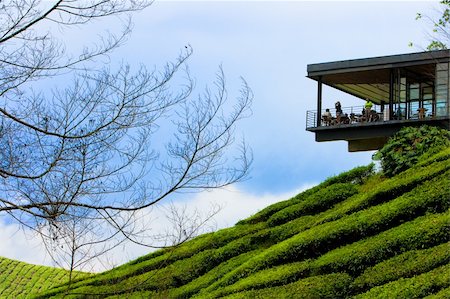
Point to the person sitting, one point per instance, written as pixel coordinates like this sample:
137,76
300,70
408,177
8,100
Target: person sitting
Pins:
374,116
421,112
345,119
363,116
326,117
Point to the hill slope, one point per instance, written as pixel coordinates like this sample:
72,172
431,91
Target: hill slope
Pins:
18,279
356,234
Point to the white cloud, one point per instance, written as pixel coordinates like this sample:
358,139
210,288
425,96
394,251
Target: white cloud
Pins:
237,205
21,244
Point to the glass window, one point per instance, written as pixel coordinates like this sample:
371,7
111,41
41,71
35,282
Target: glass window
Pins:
414,94
442,66
442,88
441,79
428,93
441,107
413,110
441,91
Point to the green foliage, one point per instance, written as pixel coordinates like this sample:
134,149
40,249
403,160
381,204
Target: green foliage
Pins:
422,232
172,275
355,257
372,193
415,287
19,280
407,264
139,270
409,145
357,175
440,26
326,286
274,276
322,238
440,37
207,279
356,232
442,294
316,202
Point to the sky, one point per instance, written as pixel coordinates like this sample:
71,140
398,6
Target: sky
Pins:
270,44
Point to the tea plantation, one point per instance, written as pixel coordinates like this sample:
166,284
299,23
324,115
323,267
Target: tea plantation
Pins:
356,235
20,280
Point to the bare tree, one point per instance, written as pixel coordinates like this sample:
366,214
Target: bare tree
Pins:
85,159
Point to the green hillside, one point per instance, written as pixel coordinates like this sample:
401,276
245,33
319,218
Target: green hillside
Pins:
359,234
19,280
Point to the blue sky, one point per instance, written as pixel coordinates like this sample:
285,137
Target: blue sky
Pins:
269,43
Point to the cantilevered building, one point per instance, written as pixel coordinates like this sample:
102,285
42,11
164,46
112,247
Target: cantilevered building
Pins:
406,90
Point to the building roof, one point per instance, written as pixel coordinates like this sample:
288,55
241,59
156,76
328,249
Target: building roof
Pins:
370,77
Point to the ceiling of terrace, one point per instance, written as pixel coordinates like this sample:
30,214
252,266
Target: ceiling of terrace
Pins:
374,84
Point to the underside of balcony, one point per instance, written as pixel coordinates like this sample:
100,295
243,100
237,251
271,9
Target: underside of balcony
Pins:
365,136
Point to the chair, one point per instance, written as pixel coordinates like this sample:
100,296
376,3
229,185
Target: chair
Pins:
326,120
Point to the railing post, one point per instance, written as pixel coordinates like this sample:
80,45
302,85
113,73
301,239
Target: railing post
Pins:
319,101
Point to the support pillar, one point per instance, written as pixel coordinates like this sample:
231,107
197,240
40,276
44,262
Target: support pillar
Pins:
391,94
319,102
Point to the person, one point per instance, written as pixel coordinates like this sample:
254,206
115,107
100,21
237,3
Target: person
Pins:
398,113
421,112
345,119
327,117
374,116
368,110
338,107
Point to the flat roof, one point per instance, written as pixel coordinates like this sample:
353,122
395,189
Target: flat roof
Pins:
376,63
370,77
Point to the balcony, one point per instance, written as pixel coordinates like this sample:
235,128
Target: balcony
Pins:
369,131
350,116
406,90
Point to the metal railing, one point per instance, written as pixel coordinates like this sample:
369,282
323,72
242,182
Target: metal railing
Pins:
356,115
349,115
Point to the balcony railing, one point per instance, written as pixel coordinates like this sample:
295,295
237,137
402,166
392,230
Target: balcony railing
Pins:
356,115
349,115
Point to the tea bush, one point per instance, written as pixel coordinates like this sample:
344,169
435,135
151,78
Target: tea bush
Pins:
442,294
385,231
326,286
317,202
415,287
19,280
355,257
406,147
356,175
348,229
407,264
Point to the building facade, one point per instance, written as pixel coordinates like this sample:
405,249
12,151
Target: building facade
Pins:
404,90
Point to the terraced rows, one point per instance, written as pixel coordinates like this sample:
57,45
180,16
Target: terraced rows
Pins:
19,280
355,235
